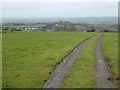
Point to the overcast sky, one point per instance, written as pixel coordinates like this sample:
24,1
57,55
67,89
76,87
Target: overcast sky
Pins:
59,8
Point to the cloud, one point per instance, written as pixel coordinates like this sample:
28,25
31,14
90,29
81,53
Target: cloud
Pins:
59,0
59,9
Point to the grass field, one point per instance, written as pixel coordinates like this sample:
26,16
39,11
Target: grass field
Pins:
110,49
82,73
28,56
81,27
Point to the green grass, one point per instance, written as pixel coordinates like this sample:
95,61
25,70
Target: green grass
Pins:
110,49
0,60
28,56
82,72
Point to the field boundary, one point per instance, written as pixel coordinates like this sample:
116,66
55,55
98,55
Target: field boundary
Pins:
61,69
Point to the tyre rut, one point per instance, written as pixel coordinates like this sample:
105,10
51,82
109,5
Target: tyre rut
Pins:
61,70
101,74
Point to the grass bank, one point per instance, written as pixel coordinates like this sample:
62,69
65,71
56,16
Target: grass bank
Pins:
110,50
0,60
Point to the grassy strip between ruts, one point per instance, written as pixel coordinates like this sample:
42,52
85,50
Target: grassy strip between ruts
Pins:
110,51
82,72
28,56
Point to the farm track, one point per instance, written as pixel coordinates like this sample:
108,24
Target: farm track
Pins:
101,74
61,69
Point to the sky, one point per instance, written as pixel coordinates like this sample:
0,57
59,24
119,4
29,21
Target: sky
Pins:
58,8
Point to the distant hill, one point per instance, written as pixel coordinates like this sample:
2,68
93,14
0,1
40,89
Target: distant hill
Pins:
88,20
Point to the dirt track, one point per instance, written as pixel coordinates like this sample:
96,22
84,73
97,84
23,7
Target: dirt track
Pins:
101,74
61,70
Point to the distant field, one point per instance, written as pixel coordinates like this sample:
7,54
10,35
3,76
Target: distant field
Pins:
82,73
28,56
110,49
81,27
